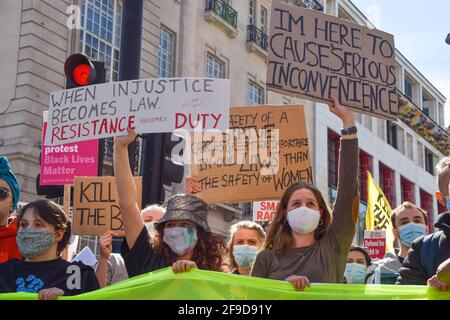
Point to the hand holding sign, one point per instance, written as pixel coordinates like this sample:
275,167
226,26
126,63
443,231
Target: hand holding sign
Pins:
125,140
192,186
106,243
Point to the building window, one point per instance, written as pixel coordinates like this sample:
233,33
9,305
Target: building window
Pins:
166,54
387,183
255,94
215,68
365,164
426,203
100,34
408,89
251,12
333,158
429,163
391,134
425,104
407,190
263,19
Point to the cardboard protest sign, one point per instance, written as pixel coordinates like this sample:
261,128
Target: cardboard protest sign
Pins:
265,150
146,105
60,164
375,242
313,55
264,210
96,205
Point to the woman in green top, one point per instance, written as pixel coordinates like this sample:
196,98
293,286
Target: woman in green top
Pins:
307,242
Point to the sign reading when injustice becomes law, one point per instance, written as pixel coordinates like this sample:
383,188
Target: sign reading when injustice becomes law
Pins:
96,205
146,105
314,56
265,150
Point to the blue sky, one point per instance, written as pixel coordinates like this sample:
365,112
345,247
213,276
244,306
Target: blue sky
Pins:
419,29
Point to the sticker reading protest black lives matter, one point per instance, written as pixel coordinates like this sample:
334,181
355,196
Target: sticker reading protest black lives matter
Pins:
313,55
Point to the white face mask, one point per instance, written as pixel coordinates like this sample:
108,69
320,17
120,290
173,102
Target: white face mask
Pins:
303,220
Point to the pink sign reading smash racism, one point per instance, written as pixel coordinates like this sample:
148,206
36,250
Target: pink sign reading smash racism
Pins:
61,164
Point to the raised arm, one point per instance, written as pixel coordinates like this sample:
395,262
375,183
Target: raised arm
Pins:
347,201
126,189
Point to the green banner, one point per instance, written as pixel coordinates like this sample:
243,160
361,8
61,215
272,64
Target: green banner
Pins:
207,285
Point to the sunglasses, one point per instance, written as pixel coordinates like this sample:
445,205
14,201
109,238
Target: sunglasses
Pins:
4,192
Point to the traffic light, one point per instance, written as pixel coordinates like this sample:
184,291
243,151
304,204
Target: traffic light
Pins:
80,71
157,166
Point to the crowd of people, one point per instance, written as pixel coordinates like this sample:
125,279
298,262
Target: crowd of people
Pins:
307,242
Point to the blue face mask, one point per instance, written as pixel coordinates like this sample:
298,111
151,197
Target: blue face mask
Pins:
180,240
33,243
245,255
410,232
355,273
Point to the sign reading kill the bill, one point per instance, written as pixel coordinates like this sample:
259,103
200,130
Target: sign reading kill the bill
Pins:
313,55
96,205
265,150
146,105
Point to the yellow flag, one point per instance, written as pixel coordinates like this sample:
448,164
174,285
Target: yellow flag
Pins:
379,212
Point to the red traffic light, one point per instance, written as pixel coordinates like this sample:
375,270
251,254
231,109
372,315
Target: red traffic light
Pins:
79,71
80,74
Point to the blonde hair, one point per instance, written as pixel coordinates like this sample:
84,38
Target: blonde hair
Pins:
249,225
442,165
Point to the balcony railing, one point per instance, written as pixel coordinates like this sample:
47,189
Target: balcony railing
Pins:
224,10
423,125
257,36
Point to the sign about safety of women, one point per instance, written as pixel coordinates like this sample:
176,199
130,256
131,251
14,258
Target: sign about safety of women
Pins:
96,205
61,164
265,150
146,105
313,55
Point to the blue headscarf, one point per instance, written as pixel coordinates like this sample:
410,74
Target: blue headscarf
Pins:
7,175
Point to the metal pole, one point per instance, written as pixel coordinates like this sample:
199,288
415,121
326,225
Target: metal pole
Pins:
130,50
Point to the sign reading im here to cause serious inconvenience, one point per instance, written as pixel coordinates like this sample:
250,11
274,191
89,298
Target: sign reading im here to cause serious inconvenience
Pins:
146,105
314,56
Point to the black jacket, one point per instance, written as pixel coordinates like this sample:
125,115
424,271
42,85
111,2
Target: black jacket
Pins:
413,272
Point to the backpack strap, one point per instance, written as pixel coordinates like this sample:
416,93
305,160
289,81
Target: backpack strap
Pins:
428,252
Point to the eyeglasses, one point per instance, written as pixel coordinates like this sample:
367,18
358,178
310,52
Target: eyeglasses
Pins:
4,192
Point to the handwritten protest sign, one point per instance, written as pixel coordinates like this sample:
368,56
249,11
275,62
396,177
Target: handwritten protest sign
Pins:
314,55
60,164
375,242
265,150
96,205
147,105
264,210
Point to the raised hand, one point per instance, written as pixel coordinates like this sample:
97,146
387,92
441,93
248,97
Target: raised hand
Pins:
127,139
192,186
342,112
106,243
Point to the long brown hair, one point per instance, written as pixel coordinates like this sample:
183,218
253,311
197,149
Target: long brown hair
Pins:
207,253
279,238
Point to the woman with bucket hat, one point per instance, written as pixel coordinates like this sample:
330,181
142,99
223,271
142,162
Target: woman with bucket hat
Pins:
183,238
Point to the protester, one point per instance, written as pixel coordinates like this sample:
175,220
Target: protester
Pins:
183,239
150,215
44,232
428,252
357,267
409,223
111,267
306,242
246,239
9,196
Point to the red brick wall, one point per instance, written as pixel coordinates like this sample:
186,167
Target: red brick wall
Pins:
365,164
407,189
426,203
387,184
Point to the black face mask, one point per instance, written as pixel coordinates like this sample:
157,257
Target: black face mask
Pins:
3,193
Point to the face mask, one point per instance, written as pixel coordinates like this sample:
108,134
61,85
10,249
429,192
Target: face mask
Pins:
447,202
33,243
150,226
410,232
180,240
355,273
303,220
245,255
